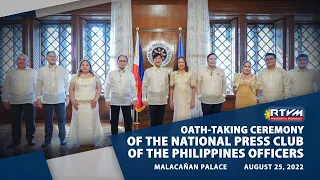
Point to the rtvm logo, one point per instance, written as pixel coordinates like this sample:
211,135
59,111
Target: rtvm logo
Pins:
283,114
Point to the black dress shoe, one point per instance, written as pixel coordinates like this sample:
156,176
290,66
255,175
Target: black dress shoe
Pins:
31,143
45,144
64,142
13,144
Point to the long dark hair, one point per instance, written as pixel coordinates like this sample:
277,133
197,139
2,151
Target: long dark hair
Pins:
176,68
90,71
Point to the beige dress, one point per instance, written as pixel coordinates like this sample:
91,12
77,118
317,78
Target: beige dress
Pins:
183,85
85,127
246,90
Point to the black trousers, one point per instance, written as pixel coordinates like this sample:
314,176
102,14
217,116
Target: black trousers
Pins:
126,112
156,113
28,111
208,109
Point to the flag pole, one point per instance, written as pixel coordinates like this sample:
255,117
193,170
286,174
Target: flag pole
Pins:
180,29
180,36
136,114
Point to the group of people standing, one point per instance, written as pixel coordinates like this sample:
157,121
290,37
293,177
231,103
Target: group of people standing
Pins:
273,83
50,88
54,91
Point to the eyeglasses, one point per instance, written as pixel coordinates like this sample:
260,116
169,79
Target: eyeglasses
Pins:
270,59
302,59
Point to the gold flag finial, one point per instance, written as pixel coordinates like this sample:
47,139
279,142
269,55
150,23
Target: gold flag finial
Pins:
137,28
180,29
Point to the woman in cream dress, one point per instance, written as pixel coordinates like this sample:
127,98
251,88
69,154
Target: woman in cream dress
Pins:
246,87
182,91
85,127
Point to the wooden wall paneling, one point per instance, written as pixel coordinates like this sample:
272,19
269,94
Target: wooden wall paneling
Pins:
262,19
103,111
242,36
236,7
98,10
76,33
159,16
229,104
27,27
156,2
235,43
290,41
4,21
307,19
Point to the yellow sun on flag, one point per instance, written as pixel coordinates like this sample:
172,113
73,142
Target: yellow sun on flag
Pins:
267,114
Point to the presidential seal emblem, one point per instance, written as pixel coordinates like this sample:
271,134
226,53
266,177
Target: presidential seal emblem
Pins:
162,49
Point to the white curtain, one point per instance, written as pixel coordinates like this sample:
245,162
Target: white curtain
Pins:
198,41
121,42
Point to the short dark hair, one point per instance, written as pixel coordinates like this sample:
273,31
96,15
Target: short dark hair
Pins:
271,54
210,55
122,56
302,56
51,52
176,68
156,55
244,62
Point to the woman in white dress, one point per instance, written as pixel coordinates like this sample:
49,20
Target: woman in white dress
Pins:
182,90
85,90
